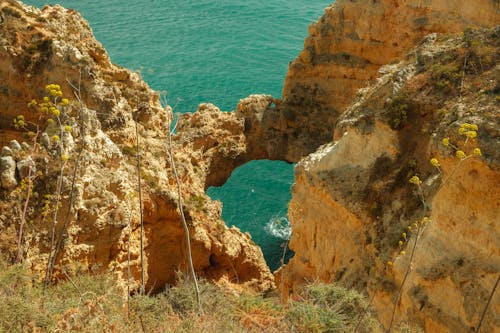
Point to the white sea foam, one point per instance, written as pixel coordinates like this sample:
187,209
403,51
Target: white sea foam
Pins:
279,227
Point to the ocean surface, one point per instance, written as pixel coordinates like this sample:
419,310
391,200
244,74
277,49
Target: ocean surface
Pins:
215,51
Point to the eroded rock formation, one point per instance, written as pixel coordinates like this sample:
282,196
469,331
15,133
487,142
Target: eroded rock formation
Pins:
55,45
352,201
346,47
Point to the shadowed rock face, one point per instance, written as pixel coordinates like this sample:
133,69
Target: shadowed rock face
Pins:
352,201
346,47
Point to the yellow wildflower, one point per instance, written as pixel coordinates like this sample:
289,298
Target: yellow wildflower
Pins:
67,128
415,180
400,243
402,253
404,235
477,152
52,86
55,138
64,101
46,99
64,157
471,134
55,112
389,263
446,142
50,121
460,154
435,162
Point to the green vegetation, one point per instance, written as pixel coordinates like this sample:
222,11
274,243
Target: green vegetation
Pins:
53,115
398,108
129,150
197,202
95,304
446,77
465,149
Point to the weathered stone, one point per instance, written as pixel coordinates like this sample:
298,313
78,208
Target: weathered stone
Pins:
45,140
8,172
24,165
25,145
6,151
333,65
15,146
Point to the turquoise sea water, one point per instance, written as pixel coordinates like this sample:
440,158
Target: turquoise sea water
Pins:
214,51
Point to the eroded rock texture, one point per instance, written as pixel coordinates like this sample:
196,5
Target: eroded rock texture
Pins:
55,45
346,47
352,199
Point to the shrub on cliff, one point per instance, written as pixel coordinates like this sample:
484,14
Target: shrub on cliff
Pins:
92,303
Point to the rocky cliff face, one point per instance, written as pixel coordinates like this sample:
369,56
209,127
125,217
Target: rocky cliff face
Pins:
56,45
347,46
353,210
352,200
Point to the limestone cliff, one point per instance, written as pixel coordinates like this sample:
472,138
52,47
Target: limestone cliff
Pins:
346,47
352,200
55,45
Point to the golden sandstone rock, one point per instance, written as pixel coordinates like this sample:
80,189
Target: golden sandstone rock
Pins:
365,107
345,49
55,45
352,201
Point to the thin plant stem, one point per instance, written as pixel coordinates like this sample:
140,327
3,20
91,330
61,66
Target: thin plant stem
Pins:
410,262
407,273
362,317
282,261
58,198
454,170
183,218
28,195
73,283
419,232
487,305
73,181
140,207
129,273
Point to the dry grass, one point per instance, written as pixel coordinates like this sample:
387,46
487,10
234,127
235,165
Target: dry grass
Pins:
86,303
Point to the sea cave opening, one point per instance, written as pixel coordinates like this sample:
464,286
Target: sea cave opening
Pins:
255,199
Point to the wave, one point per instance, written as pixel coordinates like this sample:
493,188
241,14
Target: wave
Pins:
279,227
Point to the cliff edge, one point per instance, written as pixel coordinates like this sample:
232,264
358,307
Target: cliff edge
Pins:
347,46
426,249
97,204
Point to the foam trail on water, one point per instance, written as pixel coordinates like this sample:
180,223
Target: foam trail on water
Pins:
279,227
